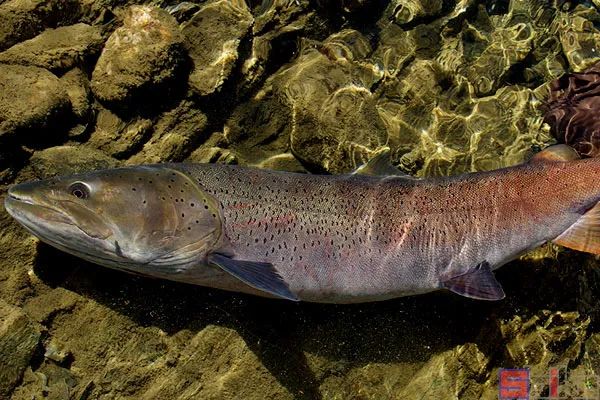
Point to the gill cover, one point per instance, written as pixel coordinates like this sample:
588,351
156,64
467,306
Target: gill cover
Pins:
164,216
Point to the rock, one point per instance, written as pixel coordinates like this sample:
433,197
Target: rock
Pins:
141,59
543,341
78,89
23,19
173,135
579,38
278,25
119,138
212,38
50,381
57,49
534,342
183,11
453,374
19,339
320,107
507,47
213,151
31,98
64,160
215,363
403,12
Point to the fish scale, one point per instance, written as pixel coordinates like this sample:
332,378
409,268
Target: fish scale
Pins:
372,235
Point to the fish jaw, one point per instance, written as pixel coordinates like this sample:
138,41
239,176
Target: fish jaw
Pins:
52,225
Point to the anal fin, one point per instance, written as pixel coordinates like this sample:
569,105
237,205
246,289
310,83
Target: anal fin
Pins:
583,235
478,283
259,275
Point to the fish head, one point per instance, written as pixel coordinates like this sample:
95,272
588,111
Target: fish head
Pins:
131,218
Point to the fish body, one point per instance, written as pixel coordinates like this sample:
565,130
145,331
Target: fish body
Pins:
336,239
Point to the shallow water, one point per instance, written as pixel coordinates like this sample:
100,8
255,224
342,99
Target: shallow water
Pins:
309,86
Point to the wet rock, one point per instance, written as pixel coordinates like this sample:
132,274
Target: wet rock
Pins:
57,49
219,364
277,25
579,38
173,135
140,59
322,103
30,98
183,11
260,128
117,137
545,340
507,47
535,341
50,381
407,103
78,89
212,39
455,373
19,338
23,19
213,151
403,12
63,160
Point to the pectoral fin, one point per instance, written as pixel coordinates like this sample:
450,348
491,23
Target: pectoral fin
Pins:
261,276
478,283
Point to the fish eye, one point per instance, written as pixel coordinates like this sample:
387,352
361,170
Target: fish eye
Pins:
79,190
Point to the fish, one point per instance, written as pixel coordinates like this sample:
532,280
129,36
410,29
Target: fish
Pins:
371,235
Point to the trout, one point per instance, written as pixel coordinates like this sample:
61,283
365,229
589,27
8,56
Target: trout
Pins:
372,235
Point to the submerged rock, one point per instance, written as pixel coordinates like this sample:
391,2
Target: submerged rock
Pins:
78,89
140,59
175,132
66,160
320,107
23,19
19,339
403,12
57,49
507,47
212,39
579,38
454,374
118,137
31,98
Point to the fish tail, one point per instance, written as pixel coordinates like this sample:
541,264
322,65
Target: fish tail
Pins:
583,235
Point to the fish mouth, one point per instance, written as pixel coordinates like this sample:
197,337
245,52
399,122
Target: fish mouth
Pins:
22,207
14,196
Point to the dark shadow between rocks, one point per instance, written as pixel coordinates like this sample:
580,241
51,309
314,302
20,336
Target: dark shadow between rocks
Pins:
283,334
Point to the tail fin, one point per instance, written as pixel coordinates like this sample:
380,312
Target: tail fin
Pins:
583,235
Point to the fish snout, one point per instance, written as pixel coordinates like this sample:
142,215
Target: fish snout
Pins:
22,192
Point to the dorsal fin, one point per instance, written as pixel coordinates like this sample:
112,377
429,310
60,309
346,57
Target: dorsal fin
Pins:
380,165
556,153
583,235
